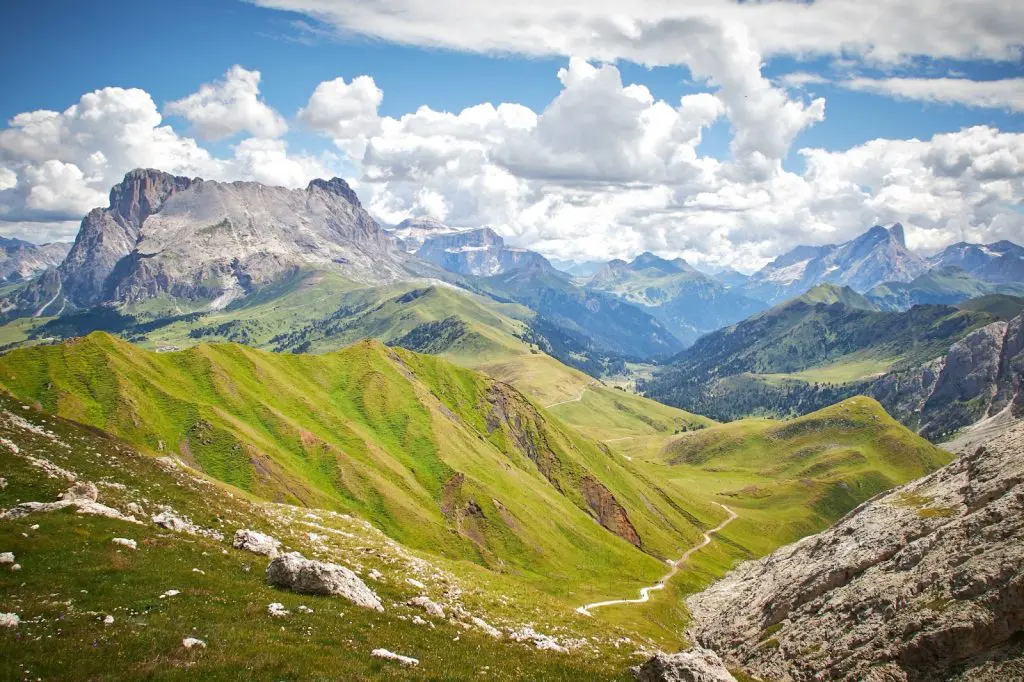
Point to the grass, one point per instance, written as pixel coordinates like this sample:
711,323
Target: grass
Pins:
455,464
73,576
842,372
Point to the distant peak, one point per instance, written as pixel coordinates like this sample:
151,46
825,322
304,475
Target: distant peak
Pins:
335,186
896,232
422,223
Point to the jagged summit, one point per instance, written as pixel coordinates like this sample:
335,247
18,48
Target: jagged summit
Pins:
208,242
335,186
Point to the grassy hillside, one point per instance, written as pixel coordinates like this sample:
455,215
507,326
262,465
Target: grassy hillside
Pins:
949,285
436,456
785,480
73,576
797,356
466,469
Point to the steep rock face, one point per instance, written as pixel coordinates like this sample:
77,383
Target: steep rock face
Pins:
609,512
923,583
213,242
978,378
108,235
879,255
21,260
480,252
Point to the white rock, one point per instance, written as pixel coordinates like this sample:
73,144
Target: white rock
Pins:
294,572
697,664
170,593
432,608
376,575
419,620
125,542
392,656
486,627
416,583
16,567
109,620
304,609
9,620
6,557
256,542
277,610
192,642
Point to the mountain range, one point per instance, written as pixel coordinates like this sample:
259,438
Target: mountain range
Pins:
21,260
247,428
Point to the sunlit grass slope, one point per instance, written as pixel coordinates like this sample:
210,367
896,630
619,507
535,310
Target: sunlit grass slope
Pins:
437,456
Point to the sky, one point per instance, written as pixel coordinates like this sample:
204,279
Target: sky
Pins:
723,132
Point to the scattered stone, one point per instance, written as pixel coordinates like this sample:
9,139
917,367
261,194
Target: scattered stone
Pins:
539,640
432,608
416,583
304,609
6,557
256,542
374,574
277,610
125,542
397,658
170,593
3,483
296,573
486,627
109,620
83,491
199,571
16,567
134,508
9,620
419,620
694,665
179,524
34,526
81,495
192,642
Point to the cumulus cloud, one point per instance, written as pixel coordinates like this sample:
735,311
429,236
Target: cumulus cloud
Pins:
347,112
230,106
56,166
655,32
1005,94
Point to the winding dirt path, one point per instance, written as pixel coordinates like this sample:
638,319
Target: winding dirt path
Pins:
645,592
60,287
571,400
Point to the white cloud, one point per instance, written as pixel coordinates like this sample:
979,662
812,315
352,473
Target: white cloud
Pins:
56,166
655,32
230,106
1005,94
344,111
801,79
40,232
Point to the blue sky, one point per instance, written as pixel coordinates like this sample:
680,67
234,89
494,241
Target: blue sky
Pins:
64,49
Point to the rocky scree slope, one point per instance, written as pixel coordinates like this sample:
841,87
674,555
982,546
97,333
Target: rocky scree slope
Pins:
922,583
212,242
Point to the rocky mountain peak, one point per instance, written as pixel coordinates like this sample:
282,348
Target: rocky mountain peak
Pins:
143,191
335,186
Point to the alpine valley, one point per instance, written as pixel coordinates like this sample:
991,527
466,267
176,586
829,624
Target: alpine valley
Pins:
248,432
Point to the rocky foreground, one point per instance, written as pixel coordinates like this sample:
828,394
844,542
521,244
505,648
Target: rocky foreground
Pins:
923,583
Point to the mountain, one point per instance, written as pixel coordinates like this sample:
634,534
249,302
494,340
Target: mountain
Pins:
584,318
481,252
686,301
948,284
730,277
21,260
410,234
205,244
1000,262
919,584
979,377
583,269
807,353
877,256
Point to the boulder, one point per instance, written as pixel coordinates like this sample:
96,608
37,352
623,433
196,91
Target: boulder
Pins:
695,665
296,573
392,656
256,542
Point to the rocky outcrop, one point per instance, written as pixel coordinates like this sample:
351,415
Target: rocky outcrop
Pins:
694,665
609,512
979,377
304,576
213,242
923,583
256,542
